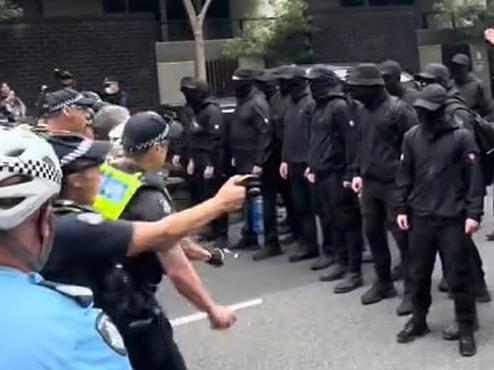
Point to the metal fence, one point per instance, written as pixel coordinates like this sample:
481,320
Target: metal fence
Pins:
220,73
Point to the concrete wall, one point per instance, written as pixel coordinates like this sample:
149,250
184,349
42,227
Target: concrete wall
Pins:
180,51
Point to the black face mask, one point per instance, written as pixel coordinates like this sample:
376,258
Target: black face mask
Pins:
319,89
298,88
433,121
369,96
284,86
242,89
269,88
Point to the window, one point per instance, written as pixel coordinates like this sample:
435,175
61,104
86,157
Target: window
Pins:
350,3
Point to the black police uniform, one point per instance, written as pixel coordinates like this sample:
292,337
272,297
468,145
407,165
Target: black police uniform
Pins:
379,142
329,153
205,147
440,185
251,143
295,152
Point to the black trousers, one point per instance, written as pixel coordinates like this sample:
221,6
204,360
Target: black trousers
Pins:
378,212
201,190
340,210
300,189
269,189
153,348
427,237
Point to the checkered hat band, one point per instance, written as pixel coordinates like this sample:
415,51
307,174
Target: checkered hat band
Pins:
66,103
31,168
148,144
81,150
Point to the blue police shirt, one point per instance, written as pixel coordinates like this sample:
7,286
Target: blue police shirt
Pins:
47,328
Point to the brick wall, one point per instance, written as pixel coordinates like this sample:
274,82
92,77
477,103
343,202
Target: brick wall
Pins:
90,48
372,35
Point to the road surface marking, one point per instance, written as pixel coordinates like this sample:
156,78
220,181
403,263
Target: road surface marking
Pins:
201,315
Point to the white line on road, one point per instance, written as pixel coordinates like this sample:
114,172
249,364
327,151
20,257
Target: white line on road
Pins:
201,315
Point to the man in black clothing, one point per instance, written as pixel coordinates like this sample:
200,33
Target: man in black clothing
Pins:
294,156
205,143
251,143
383,121
469,86
391,72
440,200
331,131
113,93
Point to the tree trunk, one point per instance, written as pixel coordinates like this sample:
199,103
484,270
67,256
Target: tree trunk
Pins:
200,54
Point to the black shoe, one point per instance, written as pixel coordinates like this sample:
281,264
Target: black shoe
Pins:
304,254
367,256
322,263
247,243
221,243
490,237
405,308
350,282
267,252
443,286
335,272
378,292
397,273
482,295
452,331
467,345
288,239
412,330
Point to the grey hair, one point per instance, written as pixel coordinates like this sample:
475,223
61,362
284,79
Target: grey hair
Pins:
108,118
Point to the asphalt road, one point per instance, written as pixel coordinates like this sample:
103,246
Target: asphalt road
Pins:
302,325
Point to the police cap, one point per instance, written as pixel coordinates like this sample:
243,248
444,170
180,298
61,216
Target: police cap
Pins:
57,100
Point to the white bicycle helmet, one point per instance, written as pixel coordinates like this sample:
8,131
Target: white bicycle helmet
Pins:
23,153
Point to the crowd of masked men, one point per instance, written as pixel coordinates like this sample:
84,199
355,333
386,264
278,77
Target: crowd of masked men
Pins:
356,158
362,157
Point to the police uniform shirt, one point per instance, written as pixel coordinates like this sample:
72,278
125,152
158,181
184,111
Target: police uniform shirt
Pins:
84,245
45,327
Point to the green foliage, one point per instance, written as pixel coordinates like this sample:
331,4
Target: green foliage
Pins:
282,38
470,17
8,10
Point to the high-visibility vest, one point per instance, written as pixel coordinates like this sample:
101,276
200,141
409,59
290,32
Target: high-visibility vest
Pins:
116,190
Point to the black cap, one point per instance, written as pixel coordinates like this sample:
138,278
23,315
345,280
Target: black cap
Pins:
194,84
290,72
110,80
245,74
390,68
144,129
435,72
265,75
321,72
77,153
432,97
366,74
93,100
57,100
461,59
62,75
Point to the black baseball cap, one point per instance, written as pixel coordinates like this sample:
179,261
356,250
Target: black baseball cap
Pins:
323,73
77,153
434,72
110,80
57,100
197,84
431,98
366,74
144,129
245,74
461,59
290,72
390,68
265,75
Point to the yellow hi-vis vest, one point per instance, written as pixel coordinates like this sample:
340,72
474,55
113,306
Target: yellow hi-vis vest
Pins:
116,191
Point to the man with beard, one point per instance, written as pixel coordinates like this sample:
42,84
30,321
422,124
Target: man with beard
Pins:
391,72
440,200
469,86
251,143
294,156
383,121
331,131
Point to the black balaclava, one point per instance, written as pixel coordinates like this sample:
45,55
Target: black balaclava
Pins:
460,73
242,88
320,89
393,85
298,88
269,88
284,86
369,96
432,121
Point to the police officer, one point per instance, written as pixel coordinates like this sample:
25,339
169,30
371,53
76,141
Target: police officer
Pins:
440,200
145,141
48,325
294,156
205,138
469,86
251,142
383,120
391,72
332,127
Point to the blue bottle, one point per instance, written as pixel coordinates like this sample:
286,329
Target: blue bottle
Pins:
256,213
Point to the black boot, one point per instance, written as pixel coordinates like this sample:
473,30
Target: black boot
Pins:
306,252
397,272
322,263
443,286
482,294
378,292
247,242
452,331
350,282
467,345
221,242
268,251
288,239
335,272
405,308
414,328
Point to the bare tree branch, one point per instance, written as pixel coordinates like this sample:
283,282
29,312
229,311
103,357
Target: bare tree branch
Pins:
191,12
204,10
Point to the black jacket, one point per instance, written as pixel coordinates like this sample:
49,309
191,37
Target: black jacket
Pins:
205,134
251,133
473,92
296,133
439,174
378,142
332,129
279,105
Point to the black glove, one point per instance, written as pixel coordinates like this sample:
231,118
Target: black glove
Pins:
217,257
